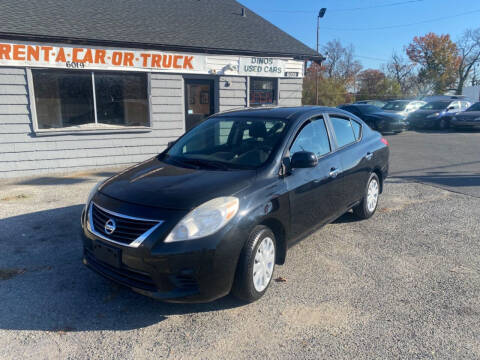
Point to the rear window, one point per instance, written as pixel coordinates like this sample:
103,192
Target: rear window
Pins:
357,129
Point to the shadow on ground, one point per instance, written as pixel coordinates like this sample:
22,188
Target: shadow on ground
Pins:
46,287
63,180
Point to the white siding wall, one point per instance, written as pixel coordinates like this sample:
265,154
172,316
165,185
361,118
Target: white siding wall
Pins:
290,92
232,92
24,154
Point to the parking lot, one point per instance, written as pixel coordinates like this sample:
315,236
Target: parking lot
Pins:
403,284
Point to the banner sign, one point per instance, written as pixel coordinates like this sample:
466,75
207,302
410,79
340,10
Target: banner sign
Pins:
261,66
23,54
72,57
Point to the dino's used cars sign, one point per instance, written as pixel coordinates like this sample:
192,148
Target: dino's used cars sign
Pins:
73,57
261,66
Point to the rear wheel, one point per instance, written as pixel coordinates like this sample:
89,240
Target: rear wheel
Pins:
368,205
256,265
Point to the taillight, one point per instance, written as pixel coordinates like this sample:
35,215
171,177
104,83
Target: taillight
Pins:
385,141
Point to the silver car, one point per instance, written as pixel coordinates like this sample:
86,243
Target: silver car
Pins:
403,107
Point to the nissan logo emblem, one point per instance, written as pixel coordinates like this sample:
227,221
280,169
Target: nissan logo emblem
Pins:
110,226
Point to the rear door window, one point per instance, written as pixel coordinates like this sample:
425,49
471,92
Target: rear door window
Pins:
344,131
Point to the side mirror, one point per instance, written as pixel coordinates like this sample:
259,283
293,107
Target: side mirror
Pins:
450,108
303,159
170,144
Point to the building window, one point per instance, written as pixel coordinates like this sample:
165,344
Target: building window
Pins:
263,91
86,100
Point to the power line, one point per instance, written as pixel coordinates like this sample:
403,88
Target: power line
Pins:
345,9
403,25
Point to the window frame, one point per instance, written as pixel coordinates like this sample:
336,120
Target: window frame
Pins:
275,90
334,134
94,130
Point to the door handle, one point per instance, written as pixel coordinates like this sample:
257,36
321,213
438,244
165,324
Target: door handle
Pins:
334,172
369,156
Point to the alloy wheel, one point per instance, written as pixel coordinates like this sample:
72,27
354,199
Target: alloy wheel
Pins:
263,264
372,195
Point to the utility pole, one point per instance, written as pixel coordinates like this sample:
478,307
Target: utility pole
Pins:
321,14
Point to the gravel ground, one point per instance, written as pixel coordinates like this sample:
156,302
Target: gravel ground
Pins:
403,284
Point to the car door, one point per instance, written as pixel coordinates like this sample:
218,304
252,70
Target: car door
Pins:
354,156
314,192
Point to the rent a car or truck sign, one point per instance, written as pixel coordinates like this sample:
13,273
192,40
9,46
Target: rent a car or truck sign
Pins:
37,55
26,54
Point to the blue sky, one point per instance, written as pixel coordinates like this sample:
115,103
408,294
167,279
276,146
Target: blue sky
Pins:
373,47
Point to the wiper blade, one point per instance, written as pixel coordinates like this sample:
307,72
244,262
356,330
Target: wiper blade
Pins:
205,162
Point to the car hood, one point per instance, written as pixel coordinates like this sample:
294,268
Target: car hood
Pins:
158,184
421,114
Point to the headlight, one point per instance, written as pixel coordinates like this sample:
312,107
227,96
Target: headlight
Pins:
93,191
205,219
433,115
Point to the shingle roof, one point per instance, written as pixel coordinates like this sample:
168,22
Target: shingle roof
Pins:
197,25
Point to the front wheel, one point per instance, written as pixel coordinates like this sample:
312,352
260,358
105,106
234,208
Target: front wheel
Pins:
368,205
443,124
256,265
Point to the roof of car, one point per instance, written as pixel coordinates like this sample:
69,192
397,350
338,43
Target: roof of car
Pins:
212,26
277,112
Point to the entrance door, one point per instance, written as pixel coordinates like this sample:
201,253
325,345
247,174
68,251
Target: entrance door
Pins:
198,101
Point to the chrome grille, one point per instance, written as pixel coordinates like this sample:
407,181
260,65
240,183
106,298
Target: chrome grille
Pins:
128,229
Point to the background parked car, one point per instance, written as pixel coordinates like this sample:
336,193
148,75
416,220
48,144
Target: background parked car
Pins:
378,103
376,118
468,118
436,114
403,107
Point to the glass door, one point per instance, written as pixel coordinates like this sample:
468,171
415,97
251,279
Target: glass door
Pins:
198,101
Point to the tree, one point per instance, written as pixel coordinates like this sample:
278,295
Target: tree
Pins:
336,76
331,91
469,52
403,72
438,59
374,84
340,63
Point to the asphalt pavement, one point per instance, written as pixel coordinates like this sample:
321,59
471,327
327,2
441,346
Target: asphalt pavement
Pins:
404,284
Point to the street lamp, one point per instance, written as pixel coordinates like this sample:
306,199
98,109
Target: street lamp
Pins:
321,14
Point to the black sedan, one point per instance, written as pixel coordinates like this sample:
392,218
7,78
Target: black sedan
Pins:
215,211
470,118
376,118
436,114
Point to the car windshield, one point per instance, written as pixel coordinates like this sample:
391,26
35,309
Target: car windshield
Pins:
369,109
227,143
435,105
396,105
474,107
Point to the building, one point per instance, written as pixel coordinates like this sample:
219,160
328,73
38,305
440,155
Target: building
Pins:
92,83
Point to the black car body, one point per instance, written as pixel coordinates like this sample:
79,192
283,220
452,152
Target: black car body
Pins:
276,186
376,118
469,118
436,114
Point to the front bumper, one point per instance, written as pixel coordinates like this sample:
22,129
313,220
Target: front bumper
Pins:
190,271
392,126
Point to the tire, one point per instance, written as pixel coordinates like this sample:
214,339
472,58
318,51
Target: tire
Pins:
443,124
261,241
366,209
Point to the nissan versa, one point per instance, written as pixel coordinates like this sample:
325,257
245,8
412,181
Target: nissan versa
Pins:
218,209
